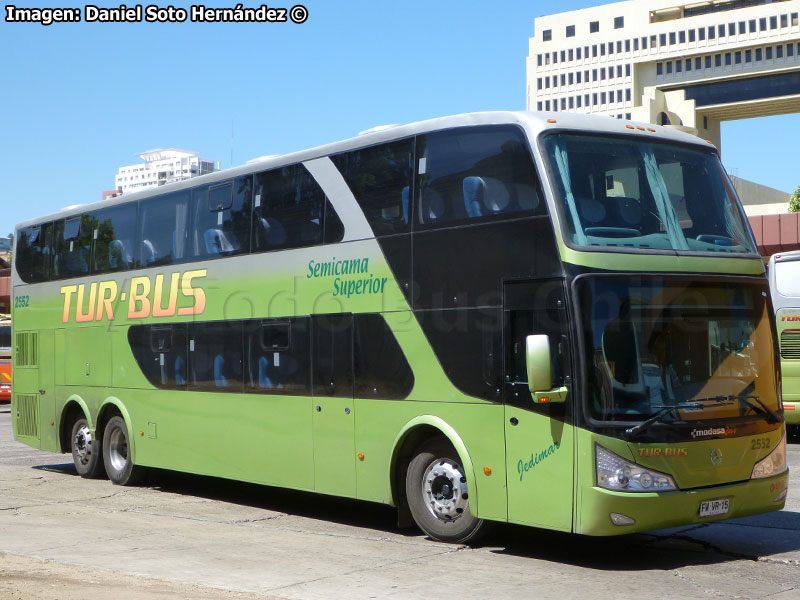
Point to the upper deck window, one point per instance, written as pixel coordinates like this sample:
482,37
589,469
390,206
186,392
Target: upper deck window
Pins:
474,174
787,278
631,194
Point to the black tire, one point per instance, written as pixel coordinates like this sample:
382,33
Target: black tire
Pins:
87,451
117,454
437,494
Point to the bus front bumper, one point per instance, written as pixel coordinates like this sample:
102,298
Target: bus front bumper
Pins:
634,512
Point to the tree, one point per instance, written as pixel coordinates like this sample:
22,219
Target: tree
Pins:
794,201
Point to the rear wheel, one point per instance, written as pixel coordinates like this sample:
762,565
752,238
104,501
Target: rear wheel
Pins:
438,497
117,454
87,452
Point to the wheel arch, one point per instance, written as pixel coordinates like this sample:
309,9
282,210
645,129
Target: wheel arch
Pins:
113,406
74,408
414,433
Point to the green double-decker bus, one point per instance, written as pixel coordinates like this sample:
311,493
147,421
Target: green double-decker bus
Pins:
548,319
784,275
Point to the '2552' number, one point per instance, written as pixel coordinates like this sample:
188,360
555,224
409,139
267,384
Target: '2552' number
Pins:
21,301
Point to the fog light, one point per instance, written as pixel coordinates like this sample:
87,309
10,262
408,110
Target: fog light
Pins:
620,520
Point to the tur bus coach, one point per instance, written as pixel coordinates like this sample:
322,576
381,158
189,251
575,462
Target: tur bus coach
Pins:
547,319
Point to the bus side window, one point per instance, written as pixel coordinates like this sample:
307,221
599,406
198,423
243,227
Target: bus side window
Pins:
114,232
221,222
380,178
33,253
380,367
73,246
278,356
160,351
215,356
333,355
288,209
163,229
472,174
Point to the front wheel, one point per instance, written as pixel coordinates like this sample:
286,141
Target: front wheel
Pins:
117,454
87,452
438,497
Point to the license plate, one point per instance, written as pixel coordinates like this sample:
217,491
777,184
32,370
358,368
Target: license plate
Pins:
712,508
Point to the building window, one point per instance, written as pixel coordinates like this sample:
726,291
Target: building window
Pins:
619,95
718,60
773,22
628,95
652,41
602,49
594,74
619,22
539,83
688,64
603,98
698,63
672,38
627,45
731,29
712,32
619,47
563,80
594,51
619,70
762,24
571,102
578,53
784,20
708,62
759,55
571,79
570,30
681,37
571,55
679,66
737,58
578,77
748,56
701,34
794,19
669,67
555,58
594,26
539,60
769,53
778,51
547,35
578,101
659,68
691,35
789,49
727,59
594,98
586,99
636,44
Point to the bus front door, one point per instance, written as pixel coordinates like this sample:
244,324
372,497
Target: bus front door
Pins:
539,437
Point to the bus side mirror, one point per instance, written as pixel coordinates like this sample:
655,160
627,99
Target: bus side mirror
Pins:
537,361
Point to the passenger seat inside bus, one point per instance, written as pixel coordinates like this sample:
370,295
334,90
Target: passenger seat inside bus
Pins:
217,243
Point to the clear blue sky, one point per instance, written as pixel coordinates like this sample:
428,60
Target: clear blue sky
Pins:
77,101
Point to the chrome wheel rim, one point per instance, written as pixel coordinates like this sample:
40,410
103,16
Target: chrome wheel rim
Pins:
444,490
118,449
82,444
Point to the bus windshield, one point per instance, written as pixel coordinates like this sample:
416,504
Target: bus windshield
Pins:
655,342
625,193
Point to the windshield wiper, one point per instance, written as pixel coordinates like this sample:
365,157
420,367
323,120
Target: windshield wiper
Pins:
753,402
658,417
666,409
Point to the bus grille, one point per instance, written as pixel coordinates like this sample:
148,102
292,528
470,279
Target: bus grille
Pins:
27,406
790,344
27,349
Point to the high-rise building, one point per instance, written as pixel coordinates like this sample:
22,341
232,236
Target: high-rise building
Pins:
687,66
161,167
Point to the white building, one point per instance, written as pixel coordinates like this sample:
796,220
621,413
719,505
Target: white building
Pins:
161,167
688,66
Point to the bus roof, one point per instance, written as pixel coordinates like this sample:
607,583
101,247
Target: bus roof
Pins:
533,122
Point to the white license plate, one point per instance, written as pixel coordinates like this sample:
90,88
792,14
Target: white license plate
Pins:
711,508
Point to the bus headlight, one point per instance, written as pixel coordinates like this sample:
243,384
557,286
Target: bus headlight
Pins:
616,473
773,464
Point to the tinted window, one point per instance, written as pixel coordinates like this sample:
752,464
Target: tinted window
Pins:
380,367
5,336
73,247
279,356
288,209
215,356
222,218
472,174
33,252
380,178
163,229
334,228
333,355
115,232
161,352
